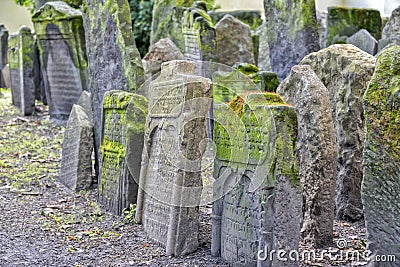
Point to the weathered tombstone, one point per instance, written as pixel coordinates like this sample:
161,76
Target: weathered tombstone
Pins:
62,49
250,17
3,52
76,162
22,58
263,61
365,41
391,31
72,3
317,152
86,103
343,22
170,177
257,204
114,61
346,71
124,117
234,42
381,158
290,37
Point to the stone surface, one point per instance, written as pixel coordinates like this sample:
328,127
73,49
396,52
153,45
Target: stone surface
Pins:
170,177
3,52
263,61
5,72
257,199
86,103
76,162
321,18
290,37
381,158
62,49
13,59
317,152
249,17
234,42
114,61
343,22
124,117
72,3
391,31
365,41
346,71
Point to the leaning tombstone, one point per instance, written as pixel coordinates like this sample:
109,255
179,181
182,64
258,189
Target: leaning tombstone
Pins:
290,39
346,70
365,41
3,52
381,158
170,177
61,40
234,42
124,117
391,31
317,152
76,162
257,204
114,61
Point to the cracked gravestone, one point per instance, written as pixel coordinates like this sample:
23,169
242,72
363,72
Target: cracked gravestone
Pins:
317,152
391,31
3,53
381,158
346,70
257,196
365,41
124,116
61,42
76,162
170,178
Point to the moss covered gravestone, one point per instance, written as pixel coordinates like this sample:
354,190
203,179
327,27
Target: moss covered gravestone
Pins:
60,33
72,3
257,204
170,178
3,53
22,59
381,158
124,117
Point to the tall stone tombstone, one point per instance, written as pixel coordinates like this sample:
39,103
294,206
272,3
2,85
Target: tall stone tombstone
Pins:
346,71
124,117
61,41
381,158
3,52
234,42
391,31
22,58
114,61
76,162
263,61
257,198
292,33
170,178
365,41
317,152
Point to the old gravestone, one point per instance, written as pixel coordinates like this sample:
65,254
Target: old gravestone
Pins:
22,57
170,178
257,204
114,61
250,17
381,158
3,52
343,22
234,42
263,61
390,33
85,102
346,71
292,33
72,3
124,117
62,49
76,162
365,41
317,152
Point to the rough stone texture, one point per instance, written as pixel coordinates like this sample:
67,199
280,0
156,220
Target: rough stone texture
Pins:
124,117
5,72
365,41
114,61
263,61
343,22
292,33
317,152
249,17
76,162
257,199
234,42
346,71
391,31
381,157
170,178
72,3
85,102
62,49
22,70
3,52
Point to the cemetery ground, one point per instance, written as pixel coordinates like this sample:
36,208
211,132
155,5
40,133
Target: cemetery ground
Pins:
44,224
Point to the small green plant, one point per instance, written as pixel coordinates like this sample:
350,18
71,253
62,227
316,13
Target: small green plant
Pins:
129,214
